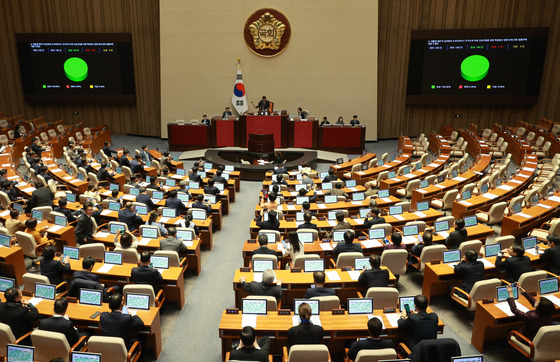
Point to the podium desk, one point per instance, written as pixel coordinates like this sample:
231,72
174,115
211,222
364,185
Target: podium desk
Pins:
189,136
341,168
346,139
258,124
225,132
304,134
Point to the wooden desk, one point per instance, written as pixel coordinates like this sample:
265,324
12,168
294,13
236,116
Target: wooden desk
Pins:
540,213
362,177
12,263
340,169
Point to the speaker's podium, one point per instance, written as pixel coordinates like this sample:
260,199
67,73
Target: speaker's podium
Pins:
261,143
257,125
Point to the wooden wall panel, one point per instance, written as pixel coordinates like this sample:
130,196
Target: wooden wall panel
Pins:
396,20
139,17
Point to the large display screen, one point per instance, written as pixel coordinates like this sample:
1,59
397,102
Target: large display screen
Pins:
476,66
76,68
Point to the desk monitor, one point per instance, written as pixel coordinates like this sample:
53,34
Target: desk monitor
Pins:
529,242
113,187
331,215
18,353
331,199
185,235
358,196
134,191
85,357
423,206
202,174
350,183
361,263
6,283
441,226
116,228
183,197
406,301
220,186
360,305
395,210
138,301
301,199
207,166
170,183
323,174
492,250
45,291
299,216
157,195
212,199
225,175
160,261
113,257
60,220
313,265
406,170
339,160
19,207
150,233
253,306
198,214
365,166
313,303
260,265
467,359
424,184
383,193
305,237
470,221
410,230
327,186
484,188
338,236
175,158
72,252
5,240
377,233
364,212
535,199
168,212
391,175
81,177
114,206
440,178
91,296
149,164
502,293
181,172
193,185
270,236
454,173
229,168
547,286
298,187
380,163
418,166
37,214
498,182
451,256
117,170
516,208
141,209
466,195
70,197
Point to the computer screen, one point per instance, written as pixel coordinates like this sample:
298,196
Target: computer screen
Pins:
116,228
113,257
117,170
406,171
331,199
467,359
364,213
395,210
168,212
181,172
535,199
424,184
207,166
160,261
331,215
299,216
313,303
441,226
529,242
45,291
298,187
383,194
37,214
262,265
72,252
484,188
498,182
451,256
423,206
199,214
466,195
391,174
516,208
313,265
327,186
406,301
377,233
85,357
193,185
360,305
81,176
114,206
492,250
71,197
254,306
358,196
323,174
170,183
60,220
380,163
114,187
5,240
418,165
141,210
134,191
6,283
270,236
409,230
502,293
301,199
186,235
470,221
220,186
338,235
91,296
454,173
138,301
547,286
229,168
18,353
339,160
157,195
305,237
361,263
183,197
350,183
151,233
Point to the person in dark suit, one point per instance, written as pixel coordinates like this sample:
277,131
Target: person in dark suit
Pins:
153,183
107,150
249,349
421,324
427,239
84,227
263,249
347,246
104,175
146,157
219,178
144,198
129,217
194,176
53,269
471,269
307,224
266,287
456,237
36,146
45,174
174,203
306,332
341,224
280,180
304,192
199,204
86,279
172,243
211,189
145,274
205,120
354,121
61,208
374,277
119,324
516,264
324,121
11,191
552,254
124,159
271,224
375,326
226,113
42,196
136,165
301,113
337,190
396,242
18,314
319,290
533,320
375,218
61,324
331,177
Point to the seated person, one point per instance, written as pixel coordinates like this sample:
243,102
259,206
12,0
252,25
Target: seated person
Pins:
129,217
39,235
205,120
421,324
552,254
354,121
427,239
337,190
145,199
515,263
471,270
331,177
199,204
172,243
375,327
145,274
187,222
86,279
152,221
293,248
304,192
14,224
114,196
18,314
374,277
307,224
45,174
61,208
272,203
136,165
119,324
375,218
340,120
226,113
533,320
263,249
249,349
347,246
370,191
396,242
266,287
174,203
133,181
154,184
319,290
11,191
92,194
324,121
105,174
60,323
194,176
125,240
145,154
124,159
306,180
456,237
53,269
211,189
280,180
306,332
218,178
271,224
341,223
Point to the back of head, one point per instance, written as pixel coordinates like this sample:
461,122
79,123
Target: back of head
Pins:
211,182
153,179
262,239
268,276
319,277
460,223
172,231
349,236
200,197
331,171
31,223
396,238
545,307
375,211
304,311
14,214
374,260
375,327
302,192
145,257
272,215
172,194
115,301
552,238
427,237
471,255
114,193
11,294
38,184
126,240
421,303
272,196
62,202
248,336
307,217
128,205
340,216
338,185
88,262
60,306
49,251
518,249
372,203
306,205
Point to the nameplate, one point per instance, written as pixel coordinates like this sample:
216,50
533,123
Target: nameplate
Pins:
434,262
295,270
487,301
72,299
252,241
346,268
338,311
284,312
389,310
27,293
362,237
326,240
245,270
232,310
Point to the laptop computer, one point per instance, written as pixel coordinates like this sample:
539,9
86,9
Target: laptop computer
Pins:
207,166
168,212
491,250
229,168
406,171
85,357
157,195
380,163
170,183
350,183
441,226
185,235
451,256
529,242
395,210
361,263
81,176
6,283
470,221
183,197
37,214
138,301
141,209
134,191
364,212
116,228
331,199
301,199
331,215
313,303
422,206
198,214
19,353
160,261
305,237
502,293
313,265
114,206
327,186
383,194
72,252
535,199
253,306
114,187
339,160
478,358
298,187
410,230
360,305
262,265
548,286
212,199
377,233
5,240
220,186
91,296
45,291
113,257
358,196
150,233
18,207
60,220
418,166
484,188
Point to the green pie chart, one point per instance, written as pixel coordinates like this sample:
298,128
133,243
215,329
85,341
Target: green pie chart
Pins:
474,68
76,69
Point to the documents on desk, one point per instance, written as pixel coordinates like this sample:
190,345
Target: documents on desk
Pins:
105,268
249,320
34,301
106,212
332,222
506,187
444,234
54,228
504,307
554,299
321,206
386,199
420,214
523,215
393,318
326,246
466,203
544,206
554,198
371,243
489,195
332,275
359,221
410,239
354,274
144,241
398,217
101,235
487,263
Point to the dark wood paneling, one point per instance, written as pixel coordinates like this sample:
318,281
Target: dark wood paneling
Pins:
139,17
396,20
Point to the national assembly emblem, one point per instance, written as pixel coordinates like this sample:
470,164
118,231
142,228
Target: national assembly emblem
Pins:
267,32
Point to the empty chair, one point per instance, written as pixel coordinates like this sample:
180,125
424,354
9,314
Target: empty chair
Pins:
46,210
494,215
475,245
483,289
52,133
346,260
155,301
355,168
299,260
307,353
373,163
328,303
130,255
50,345
468,187
395,260
541,234
271,303
383,175
505,241
95,250
429,253
4,140
375,355
459,152
405,205
445,203
30,279
114,349
499,152
410,186
486,133
27,243
543,348
450,220
388,227
383,297
274,259
530,280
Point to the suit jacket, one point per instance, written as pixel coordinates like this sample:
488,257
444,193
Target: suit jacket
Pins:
319,292
373,221
83,279
220,180
146,200
252,354
342,226
531,320
146,157
170,243
84,229
552,256
375,277
422,325
176,204
264,250
280,170
201,205
261,288
305,333
268,224
68,213
455,238
143,274
136,167
195,177
337,192
471,272
14,225
130,219
40,197
37,149
211,190
117,324
19,317
61,325
324,122
354,122
368,343
108,151
514,266
53,269
103,174
330,178
343,247
308,225
124,161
